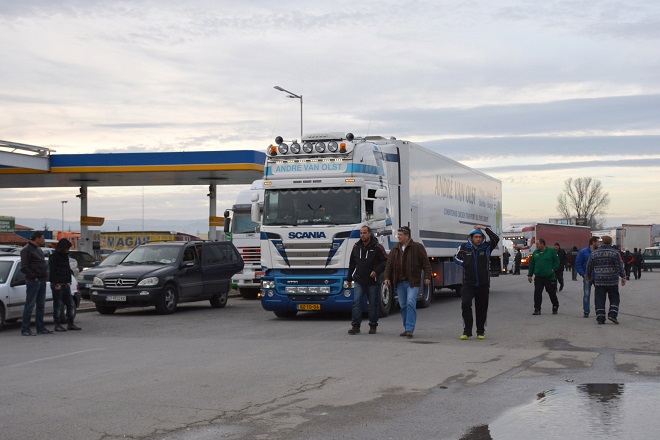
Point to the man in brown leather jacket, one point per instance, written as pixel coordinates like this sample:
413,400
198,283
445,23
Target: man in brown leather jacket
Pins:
404,269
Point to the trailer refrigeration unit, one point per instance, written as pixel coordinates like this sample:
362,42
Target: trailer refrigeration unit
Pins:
320,192
524,237
244,233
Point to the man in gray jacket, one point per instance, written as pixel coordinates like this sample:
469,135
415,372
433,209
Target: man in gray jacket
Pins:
604,269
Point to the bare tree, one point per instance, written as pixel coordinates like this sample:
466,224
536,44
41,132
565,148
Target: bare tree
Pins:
584,197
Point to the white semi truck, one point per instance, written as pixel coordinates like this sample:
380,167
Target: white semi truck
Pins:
318,193
244,233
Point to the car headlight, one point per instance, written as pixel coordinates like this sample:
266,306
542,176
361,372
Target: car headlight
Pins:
80,277
151,281
97,282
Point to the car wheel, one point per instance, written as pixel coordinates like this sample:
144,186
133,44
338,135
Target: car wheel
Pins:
167,301
427,294
248,293
105,310
219,300
285,313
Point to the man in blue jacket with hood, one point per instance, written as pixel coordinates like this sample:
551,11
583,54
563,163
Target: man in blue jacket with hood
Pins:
474,256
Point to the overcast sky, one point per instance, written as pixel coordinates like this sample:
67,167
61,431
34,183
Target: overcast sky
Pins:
530,92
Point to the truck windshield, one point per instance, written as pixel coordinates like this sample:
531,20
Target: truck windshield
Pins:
312,206
242,223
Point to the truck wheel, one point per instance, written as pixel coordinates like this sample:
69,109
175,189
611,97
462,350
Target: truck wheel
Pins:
386,300
167,300
285,313
248,293
219,300
105,310
427,295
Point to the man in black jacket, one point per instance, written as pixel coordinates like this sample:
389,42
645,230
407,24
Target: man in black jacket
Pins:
33,265
367,261
474,256
563,261
60,285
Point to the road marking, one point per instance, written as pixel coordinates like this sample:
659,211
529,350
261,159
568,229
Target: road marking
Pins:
53,357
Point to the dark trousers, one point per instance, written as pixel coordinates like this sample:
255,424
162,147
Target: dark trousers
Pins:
62,296
371,291
627,269
480,296
516,270
601,293
560,277
638,272
574,272
550,286
35,295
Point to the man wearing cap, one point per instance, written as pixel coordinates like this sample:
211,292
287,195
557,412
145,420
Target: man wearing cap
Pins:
543,265
604,269
474,256
403,270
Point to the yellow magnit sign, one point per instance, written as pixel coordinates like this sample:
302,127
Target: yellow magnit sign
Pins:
128,240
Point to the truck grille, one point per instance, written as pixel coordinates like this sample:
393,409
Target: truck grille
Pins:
251,255
302,255
119,283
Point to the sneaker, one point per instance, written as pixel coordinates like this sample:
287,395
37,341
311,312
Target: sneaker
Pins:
409,334
354,330
464,337
537,312
72,327
613,319
372,329
554,309
28,333
404,333
59,328
44,331
481,336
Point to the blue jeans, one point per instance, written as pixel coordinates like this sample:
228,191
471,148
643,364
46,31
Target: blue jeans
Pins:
601,293
408,302
372,297
586,286
62,296
35,294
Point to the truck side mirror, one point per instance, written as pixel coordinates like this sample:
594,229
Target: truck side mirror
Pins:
255,211
380,205
227,223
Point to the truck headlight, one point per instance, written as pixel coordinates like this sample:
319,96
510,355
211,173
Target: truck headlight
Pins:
151,281
268,284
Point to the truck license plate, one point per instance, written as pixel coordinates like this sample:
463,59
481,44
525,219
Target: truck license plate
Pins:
115,298
309,306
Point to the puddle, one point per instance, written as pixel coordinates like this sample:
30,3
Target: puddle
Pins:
599,411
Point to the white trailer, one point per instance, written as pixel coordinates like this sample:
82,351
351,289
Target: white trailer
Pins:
630,237
244,233
319,194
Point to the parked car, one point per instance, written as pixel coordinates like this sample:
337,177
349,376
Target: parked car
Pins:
166,274
651,257
10,249
12,290
86,277
85,260
105,252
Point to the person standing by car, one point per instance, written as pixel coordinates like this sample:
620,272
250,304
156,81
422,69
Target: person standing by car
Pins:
33,265
544,263
367,261
474,256
403,270
60,284
604,269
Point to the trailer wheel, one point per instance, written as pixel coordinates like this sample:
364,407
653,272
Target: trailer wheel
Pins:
427,294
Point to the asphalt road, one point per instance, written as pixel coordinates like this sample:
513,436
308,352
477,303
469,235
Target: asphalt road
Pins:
241,373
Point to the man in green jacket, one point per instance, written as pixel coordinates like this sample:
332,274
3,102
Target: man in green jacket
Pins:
543,264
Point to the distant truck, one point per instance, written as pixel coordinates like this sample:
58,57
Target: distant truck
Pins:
629,237
244,234
524,237
319,193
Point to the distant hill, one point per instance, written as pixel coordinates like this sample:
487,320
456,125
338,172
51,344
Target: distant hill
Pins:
194,227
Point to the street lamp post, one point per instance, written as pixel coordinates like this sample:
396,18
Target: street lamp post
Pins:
63,202
293,95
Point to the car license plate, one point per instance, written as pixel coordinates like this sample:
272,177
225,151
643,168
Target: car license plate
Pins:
309,306
115,298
